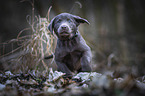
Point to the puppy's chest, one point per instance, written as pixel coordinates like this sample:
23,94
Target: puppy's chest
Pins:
68,46
72,57
69,50
70,54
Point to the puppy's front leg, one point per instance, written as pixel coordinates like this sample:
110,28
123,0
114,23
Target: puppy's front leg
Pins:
62,67
86,60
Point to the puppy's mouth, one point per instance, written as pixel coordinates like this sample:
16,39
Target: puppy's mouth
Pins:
64,33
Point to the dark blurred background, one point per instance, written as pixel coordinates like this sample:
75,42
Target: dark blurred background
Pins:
116,33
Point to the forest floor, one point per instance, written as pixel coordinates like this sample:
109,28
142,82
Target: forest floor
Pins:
81,84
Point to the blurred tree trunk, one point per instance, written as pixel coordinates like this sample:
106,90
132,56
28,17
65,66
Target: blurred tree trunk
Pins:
121,31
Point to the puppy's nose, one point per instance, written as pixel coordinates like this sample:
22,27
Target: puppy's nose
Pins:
64,27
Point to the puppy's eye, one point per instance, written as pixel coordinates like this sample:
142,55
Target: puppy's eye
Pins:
69,20
59,20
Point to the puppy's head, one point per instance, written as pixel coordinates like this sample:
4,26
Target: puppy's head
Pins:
65,25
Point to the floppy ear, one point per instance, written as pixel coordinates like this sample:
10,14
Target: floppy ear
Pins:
80,20
51,26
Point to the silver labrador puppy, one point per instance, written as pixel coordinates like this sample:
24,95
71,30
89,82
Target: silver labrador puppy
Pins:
71,53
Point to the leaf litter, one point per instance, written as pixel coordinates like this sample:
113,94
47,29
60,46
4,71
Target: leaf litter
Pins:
83,83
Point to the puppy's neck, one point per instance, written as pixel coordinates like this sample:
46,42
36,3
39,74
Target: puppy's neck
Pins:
69,44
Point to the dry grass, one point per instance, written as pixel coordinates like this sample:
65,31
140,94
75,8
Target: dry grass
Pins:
32,48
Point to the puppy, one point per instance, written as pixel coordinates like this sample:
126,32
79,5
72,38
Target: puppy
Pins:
71,53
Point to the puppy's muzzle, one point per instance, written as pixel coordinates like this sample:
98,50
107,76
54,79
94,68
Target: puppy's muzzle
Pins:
64,27
64,30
